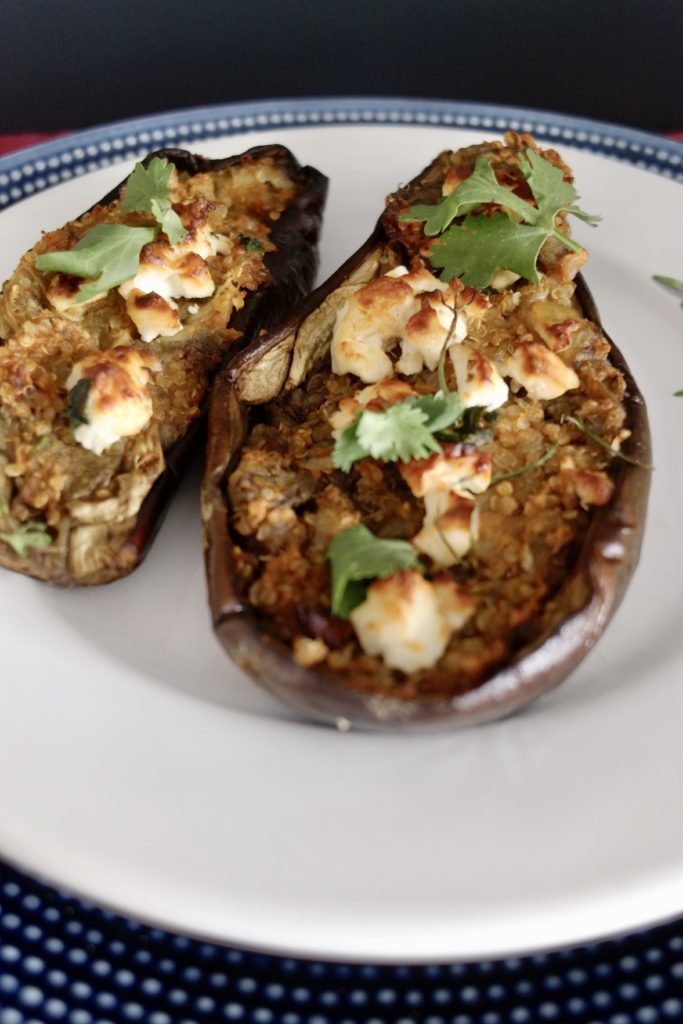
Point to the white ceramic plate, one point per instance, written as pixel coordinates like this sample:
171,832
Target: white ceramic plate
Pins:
140,768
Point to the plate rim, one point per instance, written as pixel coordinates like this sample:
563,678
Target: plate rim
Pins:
46,164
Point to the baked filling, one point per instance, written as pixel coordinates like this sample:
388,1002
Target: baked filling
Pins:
96,385
492,516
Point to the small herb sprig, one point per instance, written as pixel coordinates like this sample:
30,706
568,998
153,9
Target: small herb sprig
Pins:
547,455
78,396
357,556
109,254
669,282
26,536
602,443
408,429
481,245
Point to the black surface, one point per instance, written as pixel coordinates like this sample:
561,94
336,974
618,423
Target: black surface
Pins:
71,65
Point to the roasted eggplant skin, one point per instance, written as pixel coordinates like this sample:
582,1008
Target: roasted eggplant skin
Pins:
291,267
589,596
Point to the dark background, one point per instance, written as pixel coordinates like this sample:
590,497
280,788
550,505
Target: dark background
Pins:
75,63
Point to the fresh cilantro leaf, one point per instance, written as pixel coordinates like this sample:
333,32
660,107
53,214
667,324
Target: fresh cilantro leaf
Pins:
481,187
356,555
108,254
399,432
348,449
147,188
78,396
477,249
670,282
475,426
552,194
593,219
169,222
442,410
146,185
396,433
253,245
26,536
547,183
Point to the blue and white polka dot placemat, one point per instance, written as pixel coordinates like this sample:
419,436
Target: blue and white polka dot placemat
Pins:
65,960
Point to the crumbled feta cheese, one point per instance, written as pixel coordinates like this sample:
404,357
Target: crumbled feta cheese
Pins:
408,621
118,403
449,529
412,308
168,272
460,468
153,315
447,482
165,272
540,371
374,398
61,294
478,381
502,279
425,334
553,322
369,324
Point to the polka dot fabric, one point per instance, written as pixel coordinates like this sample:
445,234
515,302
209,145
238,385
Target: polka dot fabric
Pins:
23,174
65,960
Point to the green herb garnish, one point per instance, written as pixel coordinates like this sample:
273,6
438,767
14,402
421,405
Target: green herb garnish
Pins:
109,254
481,245
405,430
603,443
78,396
356,556
253,245
43,443
148,188
27,536
401,432
670,282
527,469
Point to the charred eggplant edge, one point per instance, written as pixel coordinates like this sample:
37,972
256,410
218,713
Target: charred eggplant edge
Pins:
292,269
604,566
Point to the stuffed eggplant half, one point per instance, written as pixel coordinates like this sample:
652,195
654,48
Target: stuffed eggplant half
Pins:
426,489
112,328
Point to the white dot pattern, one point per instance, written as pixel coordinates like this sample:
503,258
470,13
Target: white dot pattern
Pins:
65,960
87,151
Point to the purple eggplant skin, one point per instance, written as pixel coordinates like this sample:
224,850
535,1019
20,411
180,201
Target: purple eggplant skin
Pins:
590,595
292,268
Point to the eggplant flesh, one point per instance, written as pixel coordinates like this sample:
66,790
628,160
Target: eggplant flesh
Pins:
102,513
597,561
